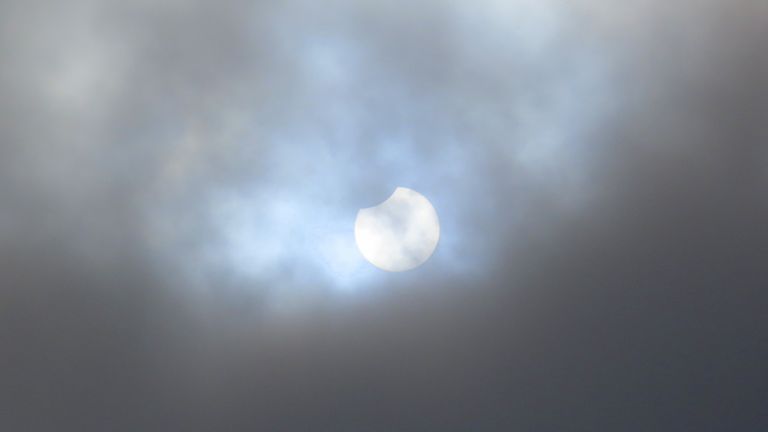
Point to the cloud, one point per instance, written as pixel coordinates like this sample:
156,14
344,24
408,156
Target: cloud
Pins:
179,181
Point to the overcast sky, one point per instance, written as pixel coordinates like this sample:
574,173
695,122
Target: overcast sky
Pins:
179,182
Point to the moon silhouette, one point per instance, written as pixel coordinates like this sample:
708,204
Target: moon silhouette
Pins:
399,234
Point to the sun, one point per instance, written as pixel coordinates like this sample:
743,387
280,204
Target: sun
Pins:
399,234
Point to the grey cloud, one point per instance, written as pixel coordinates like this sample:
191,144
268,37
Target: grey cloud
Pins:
178,186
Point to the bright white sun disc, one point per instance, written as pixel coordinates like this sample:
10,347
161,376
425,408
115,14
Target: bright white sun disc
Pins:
399,234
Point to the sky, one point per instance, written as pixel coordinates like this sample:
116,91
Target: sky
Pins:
179,182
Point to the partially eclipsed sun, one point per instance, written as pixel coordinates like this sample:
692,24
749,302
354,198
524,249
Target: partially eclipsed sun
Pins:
399,234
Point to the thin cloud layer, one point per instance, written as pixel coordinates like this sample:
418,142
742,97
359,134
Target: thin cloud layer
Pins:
179,182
